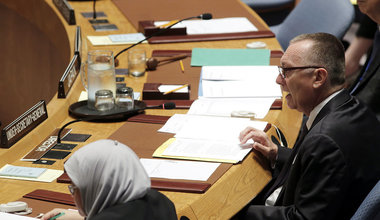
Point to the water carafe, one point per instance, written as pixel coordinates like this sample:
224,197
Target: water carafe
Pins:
98,73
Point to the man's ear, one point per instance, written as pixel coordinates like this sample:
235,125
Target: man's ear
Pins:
320,77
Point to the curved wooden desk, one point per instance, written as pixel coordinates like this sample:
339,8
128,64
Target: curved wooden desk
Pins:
35,52
226,197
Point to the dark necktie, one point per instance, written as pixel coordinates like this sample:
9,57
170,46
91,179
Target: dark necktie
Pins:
283,175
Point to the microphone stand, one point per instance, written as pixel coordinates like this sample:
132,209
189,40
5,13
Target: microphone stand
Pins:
94,13
162,31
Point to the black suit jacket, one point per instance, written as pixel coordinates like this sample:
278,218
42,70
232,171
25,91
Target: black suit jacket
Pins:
153,205
337,164
368,90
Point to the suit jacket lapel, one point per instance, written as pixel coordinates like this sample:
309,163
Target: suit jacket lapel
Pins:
333,104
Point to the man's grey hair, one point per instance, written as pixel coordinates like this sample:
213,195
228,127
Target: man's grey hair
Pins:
328,52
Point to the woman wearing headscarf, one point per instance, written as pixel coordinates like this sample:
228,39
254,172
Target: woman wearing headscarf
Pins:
109,182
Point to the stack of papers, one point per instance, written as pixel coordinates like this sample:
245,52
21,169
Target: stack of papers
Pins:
214,26
176,169
240,81
232,107
116,39
29,173
206,138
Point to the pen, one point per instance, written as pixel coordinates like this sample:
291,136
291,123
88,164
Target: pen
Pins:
168,24
57,216
176,89
181,64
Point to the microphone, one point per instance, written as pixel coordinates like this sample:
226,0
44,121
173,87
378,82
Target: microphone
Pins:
94,13
167,105
205,16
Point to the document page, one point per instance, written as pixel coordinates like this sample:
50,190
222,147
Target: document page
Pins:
214,26
217,128
239,89
211,150
264,74
228,107
208,138
175,123
48,175
8,216
19,171
179,169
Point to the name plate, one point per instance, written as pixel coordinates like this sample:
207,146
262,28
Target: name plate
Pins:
23,124
69,76
66,10
41,149
78,42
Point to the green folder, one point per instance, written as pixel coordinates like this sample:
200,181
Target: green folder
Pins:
229,57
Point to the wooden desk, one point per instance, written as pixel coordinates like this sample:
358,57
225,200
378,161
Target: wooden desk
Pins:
226,197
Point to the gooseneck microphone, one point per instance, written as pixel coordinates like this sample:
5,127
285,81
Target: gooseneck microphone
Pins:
167,105
94,10
205,16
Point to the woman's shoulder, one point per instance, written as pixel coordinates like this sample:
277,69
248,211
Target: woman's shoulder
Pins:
154,205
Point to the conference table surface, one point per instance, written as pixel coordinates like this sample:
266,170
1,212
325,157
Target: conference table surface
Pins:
221,201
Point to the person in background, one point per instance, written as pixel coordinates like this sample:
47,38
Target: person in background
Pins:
367,85
360,46
109,182
335,161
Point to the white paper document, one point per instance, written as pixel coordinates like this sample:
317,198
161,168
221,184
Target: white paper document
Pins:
175,123
133,37
49,175
240,81
176,169
214,26
167,88
118,40
19,171
264,74
210,137
216,128
7,216
207,149
227,107
239,89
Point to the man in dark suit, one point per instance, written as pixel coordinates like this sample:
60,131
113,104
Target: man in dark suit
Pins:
367,85
336,159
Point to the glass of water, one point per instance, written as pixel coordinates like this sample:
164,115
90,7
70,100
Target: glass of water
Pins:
136,62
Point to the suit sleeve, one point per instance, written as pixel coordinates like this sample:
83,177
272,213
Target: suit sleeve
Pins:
282,156
319,186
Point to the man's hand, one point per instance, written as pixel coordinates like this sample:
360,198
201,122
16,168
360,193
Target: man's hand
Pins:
261,142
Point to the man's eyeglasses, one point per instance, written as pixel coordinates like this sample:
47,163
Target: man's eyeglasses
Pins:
72,188
282,70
